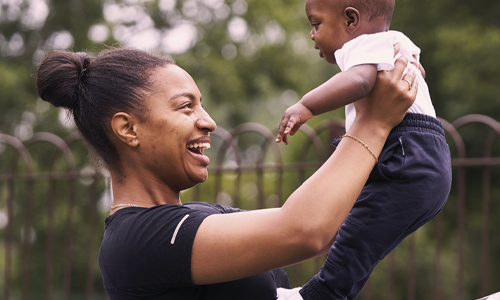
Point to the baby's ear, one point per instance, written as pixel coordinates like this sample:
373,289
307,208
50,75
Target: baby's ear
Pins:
352,18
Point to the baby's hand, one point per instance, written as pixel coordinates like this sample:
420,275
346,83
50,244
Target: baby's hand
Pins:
294,117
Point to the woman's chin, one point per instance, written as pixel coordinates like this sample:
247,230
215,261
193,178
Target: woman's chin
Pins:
204,178
198,177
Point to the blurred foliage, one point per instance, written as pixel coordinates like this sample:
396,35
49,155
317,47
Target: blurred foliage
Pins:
251,60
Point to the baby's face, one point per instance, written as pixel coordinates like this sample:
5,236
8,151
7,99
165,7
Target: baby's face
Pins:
328,27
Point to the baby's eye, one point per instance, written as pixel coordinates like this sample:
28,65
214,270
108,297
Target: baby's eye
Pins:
315,26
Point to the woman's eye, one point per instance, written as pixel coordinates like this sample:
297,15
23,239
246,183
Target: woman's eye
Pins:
187,105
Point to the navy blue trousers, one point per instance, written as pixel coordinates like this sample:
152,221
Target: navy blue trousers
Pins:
406,189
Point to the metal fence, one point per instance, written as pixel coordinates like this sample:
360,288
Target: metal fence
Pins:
53,203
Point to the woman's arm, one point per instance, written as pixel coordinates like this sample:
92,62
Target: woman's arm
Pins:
233,246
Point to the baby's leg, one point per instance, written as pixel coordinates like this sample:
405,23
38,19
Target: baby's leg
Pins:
406,189
360,284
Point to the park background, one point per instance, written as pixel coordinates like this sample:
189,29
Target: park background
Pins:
251,60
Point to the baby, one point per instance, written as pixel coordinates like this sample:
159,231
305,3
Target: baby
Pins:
411,181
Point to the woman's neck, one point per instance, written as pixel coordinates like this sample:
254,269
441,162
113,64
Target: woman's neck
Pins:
143,191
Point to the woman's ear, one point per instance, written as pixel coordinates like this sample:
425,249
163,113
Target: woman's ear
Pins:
352,18
124,128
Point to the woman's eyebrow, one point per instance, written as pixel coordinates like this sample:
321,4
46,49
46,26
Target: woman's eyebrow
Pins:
187,94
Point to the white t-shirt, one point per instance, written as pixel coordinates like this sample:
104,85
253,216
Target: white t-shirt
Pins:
377,49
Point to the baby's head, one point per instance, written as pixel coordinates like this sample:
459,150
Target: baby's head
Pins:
335,22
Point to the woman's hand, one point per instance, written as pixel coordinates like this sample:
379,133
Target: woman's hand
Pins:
390,98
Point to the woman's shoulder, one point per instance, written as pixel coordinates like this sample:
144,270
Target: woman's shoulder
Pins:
168,211
143,247
212,208
160,216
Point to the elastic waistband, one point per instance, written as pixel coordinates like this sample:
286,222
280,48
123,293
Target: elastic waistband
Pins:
420,123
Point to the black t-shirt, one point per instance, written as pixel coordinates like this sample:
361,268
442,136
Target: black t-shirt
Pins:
146,254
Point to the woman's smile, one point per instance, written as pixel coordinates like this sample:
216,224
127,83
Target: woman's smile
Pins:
197,147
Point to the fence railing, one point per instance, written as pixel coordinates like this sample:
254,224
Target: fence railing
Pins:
52,207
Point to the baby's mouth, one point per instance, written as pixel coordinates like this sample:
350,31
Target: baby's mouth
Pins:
198,148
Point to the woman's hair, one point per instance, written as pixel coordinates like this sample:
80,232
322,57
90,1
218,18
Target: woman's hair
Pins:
94,89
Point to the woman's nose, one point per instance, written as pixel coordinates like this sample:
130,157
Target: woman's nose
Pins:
206,122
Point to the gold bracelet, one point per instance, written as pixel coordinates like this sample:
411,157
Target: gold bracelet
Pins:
362,143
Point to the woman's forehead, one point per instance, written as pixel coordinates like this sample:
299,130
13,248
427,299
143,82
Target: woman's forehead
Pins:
173,80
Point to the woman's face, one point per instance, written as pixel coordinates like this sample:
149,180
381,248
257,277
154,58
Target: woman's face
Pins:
177,130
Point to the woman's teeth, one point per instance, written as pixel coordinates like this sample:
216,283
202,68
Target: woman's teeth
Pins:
199,145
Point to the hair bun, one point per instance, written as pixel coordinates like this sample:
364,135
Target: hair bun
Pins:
58,77
84,59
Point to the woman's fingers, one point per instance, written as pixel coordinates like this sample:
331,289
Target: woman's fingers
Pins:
399,66
396,49
422,70
419,66
390,97
411,79
393,76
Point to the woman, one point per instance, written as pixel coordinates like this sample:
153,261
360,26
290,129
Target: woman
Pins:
143,117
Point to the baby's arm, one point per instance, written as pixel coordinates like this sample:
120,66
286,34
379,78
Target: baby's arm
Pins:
340,90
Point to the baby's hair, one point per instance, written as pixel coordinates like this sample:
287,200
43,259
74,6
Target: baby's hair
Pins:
374,8
93,89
